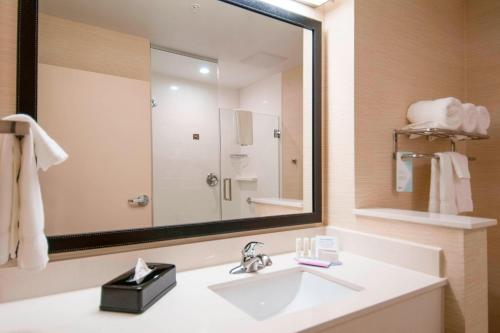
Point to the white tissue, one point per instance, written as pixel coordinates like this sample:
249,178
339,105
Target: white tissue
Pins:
141,271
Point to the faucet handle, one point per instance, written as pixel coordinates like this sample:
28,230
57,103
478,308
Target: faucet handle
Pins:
249,249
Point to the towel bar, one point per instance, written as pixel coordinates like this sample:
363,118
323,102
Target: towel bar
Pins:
407,156
10,127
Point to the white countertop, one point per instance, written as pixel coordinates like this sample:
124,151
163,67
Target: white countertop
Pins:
192,307
413,216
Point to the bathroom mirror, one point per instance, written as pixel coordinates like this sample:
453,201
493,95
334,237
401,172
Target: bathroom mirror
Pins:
181,118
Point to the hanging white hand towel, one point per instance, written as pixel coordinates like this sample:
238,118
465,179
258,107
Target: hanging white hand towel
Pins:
447,203
48,152
38,151
434,200
463,195
33,247
9,200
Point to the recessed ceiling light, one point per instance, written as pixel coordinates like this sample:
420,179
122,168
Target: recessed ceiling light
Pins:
174,88
204,70
314,3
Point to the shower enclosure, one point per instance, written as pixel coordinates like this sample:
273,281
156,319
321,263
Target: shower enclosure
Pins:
200,170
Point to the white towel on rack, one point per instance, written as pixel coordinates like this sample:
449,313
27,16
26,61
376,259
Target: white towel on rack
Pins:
9,200
463,195
447,202
446,113
483,120
38,151
47,151
469,123
33,247
434,199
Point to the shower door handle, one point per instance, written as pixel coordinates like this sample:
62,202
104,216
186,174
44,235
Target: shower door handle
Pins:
228,190
212,179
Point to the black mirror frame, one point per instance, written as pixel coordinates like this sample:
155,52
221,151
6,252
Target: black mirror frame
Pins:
27,60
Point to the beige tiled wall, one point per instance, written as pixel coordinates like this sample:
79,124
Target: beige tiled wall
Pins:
291,111
402,51
406,50
89,192
483,88
8,42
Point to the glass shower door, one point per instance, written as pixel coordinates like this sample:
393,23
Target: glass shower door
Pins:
185,127
248,171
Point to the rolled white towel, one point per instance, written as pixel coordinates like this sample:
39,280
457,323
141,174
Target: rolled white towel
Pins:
444,113
483,120
469,123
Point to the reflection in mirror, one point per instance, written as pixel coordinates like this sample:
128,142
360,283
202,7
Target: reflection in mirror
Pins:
204,109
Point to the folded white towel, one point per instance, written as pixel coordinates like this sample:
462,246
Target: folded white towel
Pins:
463,195
469,123
483,120
33,247
444,113
47,151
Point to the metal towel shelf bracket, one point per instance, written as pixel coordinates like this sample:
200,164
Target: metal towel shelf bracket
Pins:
430,133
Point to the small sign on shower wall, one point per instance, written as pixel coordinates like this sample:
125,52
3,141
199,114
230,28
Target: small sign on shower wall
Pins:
404,173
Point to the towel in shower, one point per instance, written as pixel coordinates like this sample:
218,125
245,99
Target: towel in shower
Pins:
469,123
10,156
463,196
446,113
47,151
244,127
483,120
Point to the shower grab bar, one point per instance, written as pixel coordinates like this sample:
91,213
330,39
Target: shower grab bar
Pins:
228,194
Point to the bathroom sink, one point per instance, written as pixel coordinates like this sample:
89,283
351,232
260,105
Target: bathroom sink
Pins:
284,292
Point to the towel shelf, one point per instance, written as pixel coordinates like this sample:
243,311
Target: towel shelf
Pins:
442,133
431,133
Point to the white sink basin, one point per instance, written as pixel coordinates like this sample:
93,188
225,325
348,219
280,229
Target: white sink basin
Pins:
274,294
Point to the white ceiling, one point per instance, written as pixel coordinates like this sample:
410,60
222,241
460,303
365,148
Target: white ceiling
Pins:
248,46
174,65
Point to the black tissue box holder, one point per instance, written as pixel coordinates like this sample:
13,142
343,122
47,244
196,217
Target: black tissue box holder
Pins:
122,296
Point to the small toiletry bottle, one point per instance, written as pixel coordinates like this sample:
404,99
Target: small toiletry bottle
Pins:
305,247
313,248
298,248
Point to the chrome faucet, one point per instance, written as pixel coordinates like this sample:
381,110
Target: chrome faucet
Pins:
251,261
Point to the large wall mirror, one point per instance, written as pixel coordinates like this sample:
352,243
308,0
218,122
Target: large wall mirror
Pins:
181,118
